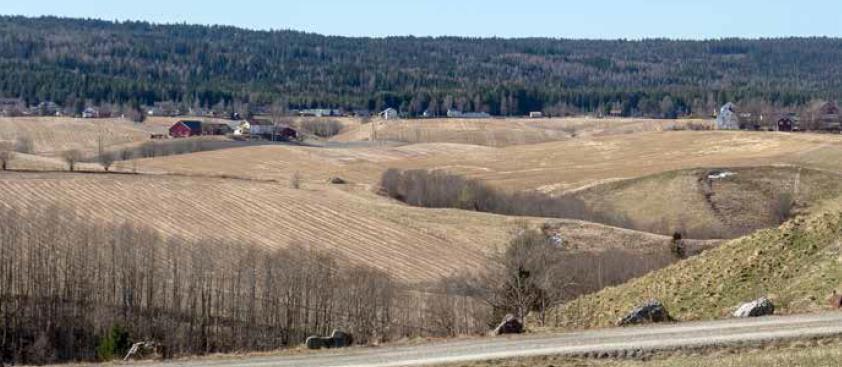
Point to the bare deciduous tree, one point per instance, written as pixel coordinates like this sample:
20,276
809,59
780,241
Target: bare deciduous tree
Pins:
71,157
6,155
106,159
82,280
295,180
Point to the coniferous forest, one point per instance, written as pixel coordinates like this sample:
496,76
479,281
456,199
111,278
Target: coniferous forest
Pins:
94,62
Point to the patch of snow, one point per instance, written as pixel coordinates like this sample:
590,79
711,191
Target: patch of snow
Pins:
721,175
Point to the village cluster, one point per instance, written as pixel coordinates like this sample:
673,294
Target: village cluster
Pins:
824,116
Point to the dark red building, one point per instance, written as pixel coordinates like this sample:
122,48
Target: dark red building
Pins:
186,128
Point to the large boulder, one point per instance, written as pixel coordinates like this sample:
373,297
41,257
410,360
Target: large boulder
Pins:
649,312
338,339
509,325
145,350
835,300
756,308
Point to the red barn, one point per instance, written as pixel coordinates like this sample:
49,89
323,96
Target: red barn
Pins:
186,128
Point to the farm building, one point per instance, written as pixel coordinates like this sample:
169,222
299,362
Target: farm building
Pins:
536,114
215,128
475,115
389,114
616,110
260,126
90,113
284,132
11,106
787,123
46,109
362,113
319,112
186,128
728,118
829,117
456,114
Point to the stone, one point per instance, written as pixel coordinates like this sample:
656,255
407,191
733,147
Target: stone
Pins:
337,180
650,312
756,308
836,300
142,350
337,339
509,325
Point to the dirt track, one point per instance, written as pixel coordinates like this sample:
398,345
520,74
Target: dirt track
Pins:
666,337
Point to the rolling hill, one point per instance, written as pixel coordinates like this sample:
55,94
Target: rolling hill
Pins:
796,265
413,244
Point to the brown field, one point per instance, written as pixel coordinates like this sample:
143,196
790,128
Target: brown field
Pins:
500,132
53,135
244,193
411,243
554,167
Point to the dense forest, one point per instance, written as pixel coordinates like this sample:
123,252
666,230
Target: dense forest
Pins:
92,62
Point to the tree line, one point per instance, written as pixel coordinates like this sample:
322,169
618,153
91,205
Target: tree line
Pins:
439,189
76,62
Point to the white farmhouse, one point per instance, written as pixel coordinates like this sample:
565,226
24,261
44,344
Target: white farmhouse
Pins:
389,114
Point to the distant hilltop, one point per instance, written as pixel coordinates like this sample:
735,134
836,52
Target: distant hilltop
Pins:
94,62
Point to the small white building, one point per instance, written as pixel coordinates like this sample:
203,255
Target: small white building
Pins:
536,115
389,114
90,113
452,113
728,118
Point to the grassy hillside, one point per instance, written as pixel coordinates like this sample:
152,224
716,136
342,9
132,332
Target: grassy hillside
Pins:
689,201
797,265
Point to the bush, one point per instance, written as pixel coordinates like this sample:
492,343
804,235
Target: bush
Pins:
24,145
322,128
114,344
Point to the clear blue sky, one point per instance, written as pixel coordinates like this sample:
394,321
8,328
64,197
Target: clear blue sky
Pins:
510,18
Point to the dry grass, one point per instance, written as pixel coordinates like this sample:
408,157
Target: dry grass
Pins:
797,266
53,135
688,202
500,132
554,167
414,244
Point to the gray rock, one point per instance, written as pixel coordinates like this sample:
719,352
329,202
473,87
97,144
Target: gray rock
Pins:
509,325
145,349
649,312
337,339
756,308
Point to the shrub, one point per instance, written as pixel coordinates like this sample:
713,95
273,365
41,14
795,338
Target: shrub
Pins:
114,344
24,145
322,128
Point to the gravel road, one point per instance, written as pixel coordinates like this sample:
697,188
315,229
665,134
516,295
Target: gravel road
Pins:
662,337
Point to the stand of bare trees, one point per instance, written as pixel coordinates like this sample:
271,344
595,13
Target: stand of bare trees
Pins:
438,189
67,286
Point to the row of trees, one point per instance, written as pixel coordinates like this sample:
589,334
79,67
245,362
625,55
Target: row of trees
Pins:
66,284
439,189
78,62
74,290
